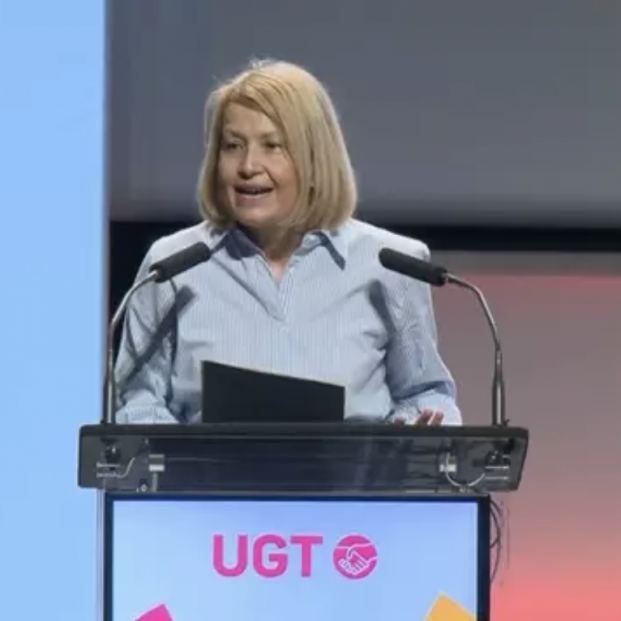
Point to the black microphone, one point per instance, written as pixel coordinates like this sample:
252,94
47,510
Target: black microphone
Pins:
159,272
439,276
412,267
181,261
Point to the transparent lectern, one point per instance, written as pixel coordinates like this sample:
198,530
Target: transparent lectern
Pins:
352,521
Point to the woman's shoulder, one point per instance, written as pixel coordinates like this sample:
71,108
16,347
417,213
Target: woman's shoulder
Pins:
174,242
371,238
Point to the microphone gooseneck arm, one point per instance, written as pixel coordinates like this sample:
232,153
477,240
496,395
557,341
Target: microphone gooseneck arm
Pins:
498,381
161,271
109,397
438,276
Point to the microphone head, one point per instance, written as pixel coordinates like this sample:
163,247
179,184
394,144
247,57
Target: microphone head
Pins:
413,267
180,262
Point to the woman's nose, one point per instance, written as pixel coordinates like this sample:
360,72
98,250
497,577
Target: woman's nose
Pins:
249,164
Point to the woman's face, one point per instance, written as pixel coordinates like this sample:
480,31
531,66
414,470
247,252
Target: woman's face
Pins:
255,171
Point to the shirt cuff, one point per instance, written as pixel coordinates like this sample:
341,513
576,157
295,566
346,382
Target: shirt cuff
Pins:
408,413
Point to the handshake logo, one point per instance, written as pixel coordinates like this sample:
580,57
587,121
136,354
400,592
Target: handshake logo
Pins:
355,557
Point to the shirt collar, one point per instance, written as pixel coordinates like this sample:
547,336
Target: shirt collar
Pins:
337,238
215,236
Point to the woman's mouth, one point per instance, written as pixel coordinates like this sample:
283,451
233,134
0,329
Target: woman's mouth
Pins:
248,196
252,191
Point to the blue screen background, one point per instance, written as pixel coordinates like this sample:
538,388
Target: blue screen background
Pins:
162,554
52,300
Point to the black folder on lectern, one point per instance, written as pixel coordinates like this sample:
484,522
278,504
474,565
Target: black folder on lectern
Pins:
236,395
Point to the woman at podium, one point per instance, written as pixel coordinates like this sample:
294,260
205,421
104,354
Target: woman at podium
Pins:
293,286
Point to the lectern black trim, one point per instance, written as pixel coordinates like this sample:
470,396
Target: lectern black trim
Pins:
270,458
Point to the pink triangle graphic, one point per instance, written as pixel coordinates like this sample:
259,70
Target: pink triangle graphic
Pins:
160,613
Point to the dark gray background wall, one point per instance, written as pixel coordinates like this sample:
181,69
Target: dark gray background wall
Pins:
456,111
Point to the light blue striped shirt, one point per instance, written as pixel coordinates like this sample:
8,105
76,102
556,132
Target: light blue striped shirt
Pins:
336,316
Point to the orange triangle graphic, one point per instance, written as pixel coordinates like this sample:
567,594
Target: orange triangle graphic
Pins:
445,609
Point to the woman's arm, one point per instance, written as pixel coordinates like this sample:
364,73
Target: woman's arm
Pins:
144,361
416,374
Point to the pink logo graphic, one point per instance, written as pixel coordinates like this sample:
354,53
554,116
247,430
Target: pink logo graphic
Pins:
160,613
269,555
355,557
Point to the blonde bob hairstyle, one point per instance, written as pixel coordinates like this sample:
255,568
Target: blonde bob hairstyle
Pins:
299,106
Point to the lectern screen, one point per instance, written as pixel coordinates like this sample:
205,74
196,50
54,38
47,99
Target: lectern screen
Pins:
308,559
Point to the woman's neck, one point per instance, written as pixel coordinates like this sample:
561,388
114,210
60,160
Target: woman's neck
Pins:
277,246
